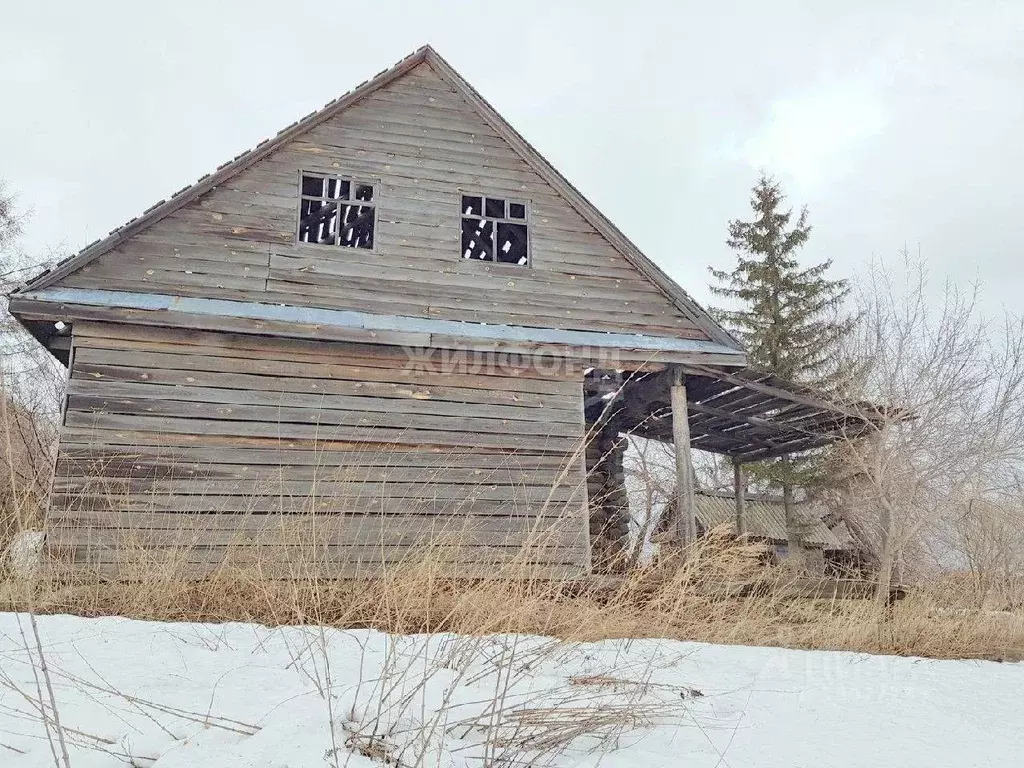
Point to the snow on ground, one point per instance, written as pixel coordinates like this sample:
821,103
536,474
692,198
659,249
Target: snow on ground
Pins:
221,696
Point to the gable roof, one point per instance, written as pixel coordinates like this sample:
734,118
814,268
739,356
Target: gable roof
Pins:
697,314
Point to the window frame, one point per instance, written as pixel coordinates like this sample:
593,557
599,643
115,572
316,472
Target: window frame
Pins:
353,182
525,221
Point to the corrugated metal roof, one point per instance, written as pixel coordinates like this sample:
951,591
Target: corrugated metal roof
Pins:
767,518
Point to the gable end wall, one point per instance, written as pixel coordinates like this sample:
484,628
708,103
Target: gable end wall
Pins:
423,145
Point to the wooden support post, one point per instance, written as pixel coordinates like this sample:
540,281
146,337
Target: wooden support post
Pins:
686,511
797,558
739,484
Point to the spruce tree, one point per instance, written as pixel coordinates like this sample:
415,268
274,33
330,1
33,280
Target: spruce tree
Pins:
788,316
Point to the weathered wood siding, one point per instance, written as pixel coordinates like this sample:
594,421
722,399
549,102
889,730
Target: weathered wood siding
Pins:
423,145
289,448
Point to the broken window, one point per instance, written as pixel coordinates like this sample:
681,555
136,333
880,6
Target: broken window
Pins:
494,229
336,211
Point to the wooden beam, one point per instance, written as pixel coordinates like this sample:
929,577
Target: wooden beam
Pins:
774,391
794,536
737,418
745,415
739,482
686,511
799,446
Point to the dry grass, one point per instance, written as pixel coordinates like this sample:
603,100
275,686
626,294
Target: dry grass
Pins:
26,441
516,721
280,580
678,598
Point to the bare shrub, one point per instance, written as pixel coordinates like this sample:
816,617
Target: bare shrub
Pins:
951,438
989,535
31,389
417,701
27,443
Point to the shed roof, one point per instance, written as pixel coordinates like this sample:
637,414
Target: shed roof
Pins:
748,415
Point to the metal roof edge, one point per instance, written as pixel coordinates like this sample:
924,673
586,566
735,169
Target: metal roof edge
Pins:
341,318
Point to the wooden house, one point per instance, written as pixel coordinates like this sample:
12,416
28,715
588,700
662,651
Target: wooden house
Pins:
397,315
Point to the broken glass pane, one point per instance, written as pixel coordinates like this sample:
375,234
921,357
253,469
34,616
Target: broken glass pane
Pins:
478,239
364,192
496,207
313,186
357,226
318,222
512,244
472,206
338,189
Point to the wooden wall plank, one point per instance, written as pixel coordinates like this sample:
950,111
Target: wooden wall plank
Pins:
147,530
151,568
341,556
303,504
356,529
377,416
226,438
370,435
363,402
246,346
77,447
406,374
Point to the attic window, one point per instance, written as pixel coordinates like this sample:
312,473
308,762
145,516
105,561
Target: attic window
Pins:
336,211
494,229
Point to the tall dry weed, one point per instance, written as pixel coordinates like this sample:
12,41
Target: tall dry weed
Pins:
719,591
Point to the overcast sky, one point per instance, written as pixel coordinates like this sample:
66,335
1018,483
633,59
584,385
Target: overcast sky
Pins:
894,126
